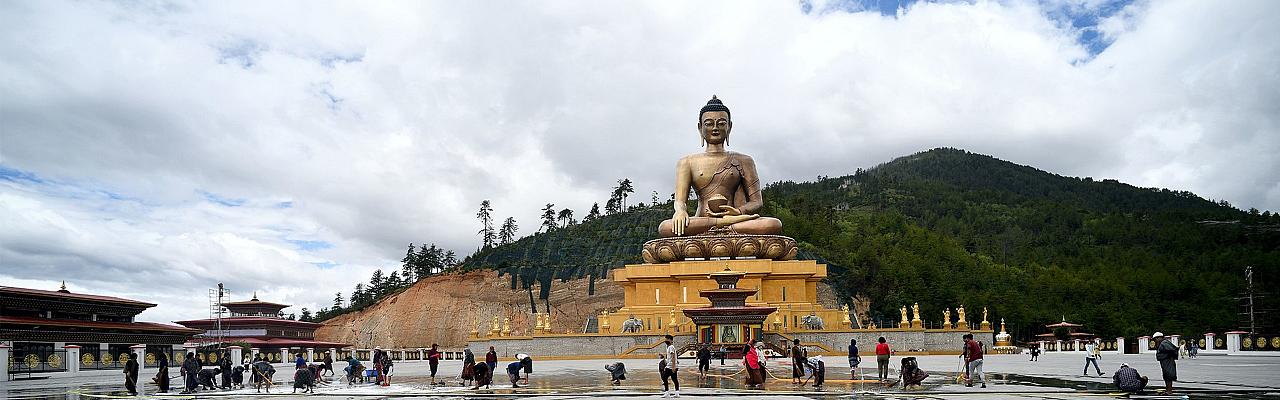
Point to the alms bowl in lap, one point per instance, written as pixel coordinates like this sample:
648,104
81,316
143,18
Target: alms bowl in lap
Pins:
680,248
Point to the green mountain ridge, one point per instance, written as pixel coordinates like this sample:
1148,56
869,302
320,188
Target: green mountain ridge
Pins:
946,227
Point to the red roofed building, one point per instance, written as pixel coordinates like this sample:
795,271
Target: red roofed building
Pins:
40,325
259,324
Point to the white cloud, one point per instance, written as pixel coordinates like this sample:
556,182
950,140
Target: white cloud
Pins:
388,123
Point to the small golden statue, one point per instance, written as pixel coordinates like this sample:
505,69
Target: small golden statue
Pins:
961,321
506,326
496,327
904,323
604,321
537,326
915,316
844,313
984,325
946,318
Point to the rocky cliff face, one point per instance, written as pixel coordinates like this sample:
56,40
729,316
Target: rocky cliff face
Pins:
444,309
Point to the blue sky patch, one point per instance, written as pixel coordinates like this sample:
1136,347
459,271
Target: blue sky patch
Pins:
308,245
226,201
1075,16
12,174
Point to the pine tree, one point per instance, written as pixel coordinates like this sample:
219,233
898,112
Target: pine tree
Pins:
428,259
549,217
393,283
624,189
410,265
449,260
337,301
565,217
593,214
614,205
654,199
306,315
377,284
486,221
507,234
358,296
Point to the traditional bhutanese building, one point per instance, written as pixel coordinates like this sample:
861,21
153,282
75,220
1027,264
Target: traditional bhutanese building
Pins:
40,325
259,324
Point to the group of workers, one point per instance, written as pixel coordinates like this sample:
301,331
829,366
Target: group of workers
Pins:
478,374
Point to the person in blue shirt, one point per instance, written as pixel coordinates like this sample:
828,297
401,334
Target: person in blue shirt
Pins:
513,372
300,362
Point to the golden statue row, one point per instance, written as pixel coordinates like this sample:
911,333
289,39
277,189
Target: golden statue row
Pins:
961,322
541,325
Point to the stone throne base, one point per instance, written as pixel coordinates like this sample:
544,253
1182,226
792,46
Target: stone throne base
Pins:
665,250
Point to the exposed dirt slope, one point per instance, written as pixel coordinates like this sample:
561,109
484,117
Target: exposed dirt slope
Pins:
444,309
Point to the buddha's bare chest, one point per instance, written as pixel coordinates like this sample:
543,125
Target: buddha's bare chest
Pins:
706,169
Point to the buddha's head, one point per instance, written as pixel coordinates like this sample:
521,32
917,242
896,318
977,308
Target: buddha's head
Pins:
714,123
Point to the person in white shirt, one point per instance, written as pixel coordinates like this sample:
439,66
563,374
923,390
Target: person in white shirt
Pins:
670,368
1091,357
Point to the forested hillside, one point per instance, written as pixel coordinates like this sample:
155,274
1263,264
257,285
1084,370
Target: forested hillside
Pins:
947,227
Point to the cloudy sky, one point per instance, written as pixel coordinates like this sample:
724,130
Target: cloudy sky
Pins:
152,149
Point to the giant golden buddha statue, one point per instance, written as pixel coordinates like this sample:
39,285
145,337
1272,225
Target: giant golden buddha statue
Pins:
726,223
726,182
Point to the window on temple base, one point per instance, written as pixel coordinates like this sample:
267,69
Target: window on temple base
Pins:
784,293
657,296
684,294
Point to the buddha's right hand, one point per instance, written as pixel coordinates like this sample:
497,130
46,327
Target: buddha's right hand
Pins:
679,221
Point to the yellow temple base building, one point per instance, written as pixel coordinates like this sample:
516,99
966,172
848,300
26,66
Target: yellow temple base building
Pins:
656,295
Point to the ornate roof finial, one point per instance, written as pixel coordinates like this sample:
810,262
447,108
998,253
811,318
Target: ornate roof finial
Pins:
255,296
63,289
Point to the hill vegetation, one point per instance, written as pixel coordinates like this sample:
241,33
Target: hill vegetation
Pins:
947,227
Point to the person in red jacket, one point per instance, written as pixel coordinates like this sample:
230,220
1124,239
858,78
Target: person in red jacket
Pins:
973,361
882,358
433,359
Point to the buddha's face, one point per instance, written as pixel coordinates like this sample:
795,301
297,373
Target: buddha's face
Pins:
715,126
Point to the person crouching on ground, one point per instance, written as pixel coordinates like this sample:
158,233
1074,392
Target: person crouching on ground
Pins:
815,369
483,375
526,362
513,373
911,374
1128,380
1167,355
617,372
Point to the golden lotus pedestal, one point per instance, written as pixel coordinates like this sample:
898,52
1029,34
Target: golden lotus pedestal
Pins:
719,245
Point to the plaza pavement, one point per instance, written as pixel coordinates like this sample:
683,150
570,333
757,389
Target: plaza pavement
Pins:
1055,376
